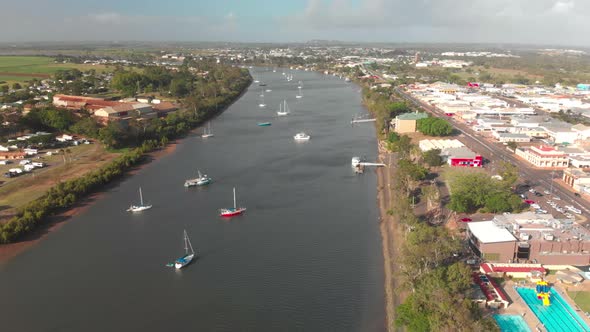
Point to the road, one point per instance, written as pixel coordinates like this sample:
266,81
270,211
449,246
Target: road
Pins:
538,178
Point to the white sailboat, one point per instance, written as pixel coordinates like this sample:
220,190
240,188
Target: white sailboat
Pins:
300,85
202,180
141,206
300,95
207,131
283,109
262,104
188,257
230,212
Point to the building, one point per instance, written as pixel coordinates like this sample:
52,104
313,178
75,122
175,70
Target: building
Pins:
511,137
530,238
462,156
582,161
543,156
577,178
441,144
163,108
406,123
123,111
491,242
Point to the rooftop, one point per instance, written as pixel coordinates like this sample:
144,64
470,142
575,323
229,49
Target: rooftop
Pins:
489,232
412,116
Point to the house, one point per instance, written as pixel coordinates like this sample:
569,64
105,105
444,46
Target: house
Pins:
12,155
491,242
406,123
543,156
582,130
462,156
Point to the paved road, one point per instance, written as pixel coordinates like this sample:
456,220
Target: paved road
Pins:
538,178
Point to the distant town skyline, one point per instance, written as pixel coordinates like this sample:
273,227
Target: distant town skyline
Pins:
561,22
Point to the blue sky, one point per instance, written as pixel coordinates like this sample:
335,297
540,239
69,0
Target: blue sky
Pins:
496,21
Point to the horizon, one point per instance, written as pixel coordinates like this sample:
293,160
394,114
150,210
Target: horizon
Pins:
528,22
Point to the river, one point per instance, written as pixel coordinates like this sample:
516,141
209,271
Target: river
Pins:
306,255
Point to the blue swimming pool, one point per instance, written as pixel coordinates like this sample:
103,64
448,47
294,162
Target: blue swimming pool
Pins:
511,323
557,317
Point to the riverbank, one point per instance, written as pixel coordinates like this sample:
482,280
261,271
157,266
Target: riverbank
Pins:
391,236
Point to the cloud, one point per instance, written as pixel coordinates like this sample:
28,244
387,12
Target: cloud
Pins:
523,21
106,18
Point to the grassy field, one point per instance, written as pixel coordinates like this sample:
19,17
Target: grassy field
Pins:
582,299
16,192
24,68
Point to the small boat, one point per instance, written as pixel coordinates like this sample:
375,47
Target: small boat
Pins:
283,110
268,90
300,95
230,212
347,79
188,257
301,137
300,85
262,84
141,206
202,180
257,81
207,131
264,124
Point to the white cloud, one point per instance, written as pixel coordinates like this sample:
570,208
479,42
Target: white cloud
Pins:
106,18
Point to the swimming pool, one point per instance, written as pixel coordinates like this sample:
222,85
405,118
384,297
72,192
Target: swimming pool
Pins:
511,323
559,316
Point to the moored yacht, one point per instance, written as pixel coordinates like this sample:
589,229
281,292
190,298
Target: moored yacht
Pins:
202,180
301,137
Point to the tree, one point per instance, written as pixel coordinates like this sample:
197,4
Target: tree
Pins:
512,145
86,127
4,89
16,86
434,126
432,157
111,134
178,87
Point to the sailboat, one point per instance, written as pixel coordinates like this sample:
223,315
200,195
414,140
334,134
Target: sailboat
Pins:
202,180
207,131
262,104
283,110
140,207
300,95
230,212
188,257
300,85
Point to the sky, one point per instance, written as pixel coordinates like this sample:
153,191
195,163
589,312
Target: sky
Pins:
560,22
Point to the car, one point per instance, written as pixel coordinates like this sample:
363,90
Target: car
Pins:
532,190
523,196
556,198
538,194
547,192
466,219
528,201
535,206
577,195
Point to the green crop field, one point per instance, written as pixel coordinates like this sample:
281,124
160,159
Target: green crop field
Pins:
24,68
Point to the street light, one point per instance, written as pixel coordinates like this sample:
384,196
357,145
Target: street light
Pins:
551,190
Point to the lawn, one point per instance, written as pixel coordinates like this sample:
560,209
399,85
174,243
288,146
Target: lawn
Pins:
582,299
24,68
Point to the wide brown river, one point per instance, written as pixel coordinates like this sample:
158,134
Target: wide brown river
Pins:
306,255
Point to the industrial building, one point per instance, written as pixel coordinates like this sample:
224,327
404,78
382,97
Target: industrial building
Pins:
529,237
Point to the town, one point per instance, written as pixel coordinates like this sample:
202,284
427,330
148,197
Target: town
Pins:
487,166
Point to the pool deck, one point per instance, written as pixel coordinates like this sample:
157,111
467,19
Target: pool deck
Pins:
519,307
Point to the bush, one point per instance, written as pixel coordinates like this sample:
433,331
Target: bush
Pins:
434,127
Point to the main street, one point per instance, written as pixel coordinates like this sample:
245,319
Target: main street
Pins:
539,178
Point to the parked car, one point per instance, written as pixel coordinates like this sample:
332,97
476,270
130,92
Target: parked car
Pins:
538,194
577,194
24,162
556,198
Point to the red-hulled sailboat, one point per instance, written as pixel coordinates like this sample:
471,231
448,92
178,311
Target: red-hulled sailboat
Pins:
230,212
